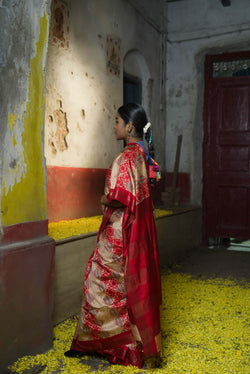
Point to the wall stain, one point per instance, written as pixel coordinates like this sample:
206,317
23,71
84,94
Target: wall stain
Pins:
113,55
52,146
58,26
79,127
62,130
15,151
14,140
28,193
59,30
179,92
13,163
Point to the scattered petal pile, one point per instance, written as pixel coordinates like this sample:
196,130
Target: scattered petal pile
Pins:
67,228
205,329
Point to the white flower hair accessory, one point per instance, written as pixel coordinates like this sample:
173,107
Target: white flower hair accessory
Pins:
146,127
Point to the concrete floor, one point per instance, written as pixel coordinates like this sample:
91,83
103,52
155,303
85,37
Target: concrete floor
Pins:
216,262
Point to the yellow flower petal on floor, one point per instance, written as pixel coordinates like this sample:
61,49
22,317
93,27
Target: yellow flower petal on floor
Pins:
67,228
205,330
162,212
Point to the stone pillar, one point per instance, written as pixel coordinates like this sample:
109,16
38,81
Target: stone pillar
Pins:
26,251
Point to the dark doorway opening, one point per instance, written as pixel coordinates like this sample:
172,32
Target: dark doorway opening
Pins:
132,89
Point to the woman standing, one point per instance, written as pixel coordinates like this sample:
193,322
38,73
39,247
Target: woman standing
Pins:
120,314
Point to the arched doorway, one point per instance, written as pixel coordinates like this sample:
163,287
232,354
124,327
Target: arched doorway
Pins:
137,80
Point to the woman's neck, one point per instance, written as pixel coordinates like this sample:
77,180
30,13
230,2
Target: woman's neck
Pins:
133,139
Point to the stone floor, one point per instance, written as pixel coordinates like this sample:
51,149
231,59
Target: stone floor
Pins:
215,262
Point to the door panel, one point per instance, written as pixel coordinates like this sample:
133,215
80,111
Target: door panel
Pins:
232,210
235,102
226,174
233,158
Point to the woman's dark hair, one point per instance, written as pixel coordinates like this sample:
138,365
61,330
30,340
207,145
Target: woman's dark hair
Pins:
137,116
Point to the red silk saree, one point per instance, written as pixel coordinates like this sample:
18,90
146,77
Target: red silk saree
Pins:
120,313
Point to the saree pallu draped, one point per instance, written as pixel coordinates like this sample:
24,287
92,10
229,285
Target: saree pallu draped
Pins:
120,313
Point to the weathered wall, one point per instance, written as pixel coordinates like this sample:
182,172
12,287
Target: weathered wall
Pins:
26,252
23,190
84,91
193,32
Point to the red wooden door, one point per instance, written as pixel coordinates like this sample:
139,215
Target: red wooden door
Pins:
226,156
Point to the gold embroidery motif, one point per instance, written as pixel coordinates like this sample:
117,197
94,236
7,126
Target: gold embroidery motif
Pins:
135,333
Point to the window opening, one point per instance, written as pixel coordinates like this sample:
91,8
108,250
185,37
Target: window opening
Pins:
234,68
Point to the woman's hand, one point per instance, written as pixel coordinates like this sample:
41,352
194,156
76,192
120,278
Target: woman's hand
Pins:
103,202
113,203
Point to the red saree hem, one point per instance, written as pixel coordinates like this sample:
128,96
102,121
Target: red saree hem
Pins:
142,277
124,356
102,344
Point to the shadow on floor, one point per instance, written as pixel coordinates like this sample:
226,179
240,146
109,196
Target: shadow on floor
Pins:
217,262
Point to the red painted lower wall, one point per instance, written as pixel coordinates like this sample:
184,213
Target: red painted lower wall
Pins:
24,231
74,192
26,291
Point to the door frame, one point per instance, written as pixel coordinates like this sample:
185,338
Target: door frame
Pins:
208,81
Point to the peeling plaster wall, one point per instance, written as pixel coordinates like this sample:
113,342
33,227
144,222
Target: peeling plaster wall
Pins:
26,252
79,84
193,32
23,42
